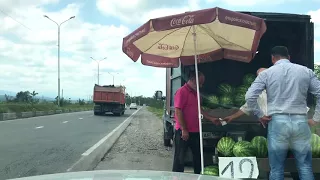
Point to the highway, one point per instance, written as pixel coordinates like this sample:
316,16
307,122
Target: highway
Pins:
50,144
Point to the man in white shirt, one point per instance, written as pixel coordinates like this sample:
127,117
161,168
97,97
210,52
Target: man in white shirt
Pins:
262,102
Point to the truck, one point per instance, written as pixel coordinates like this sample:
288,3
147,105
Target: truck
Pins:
291,30
109,98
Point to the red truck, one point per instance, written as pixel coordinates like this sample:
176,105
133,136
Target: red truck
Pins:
109,99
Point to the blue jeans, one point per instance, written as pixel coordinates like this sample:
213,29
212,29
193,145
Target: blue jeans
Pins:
289,132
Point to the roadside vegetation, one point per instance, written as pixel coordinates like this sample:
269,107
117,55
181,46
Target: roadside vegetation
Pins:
25,101
156,106
156,111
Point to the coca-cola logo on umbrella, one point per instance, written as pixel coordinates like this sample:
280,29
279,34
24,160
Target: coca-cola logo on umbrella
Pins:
185,20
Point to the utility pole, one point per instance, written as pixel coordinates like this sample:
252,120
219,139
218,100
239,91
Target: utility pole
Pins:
72,17
112,77
98,62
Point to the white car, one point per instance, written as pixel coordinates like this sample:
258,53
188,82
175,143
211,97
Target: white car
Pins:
133,106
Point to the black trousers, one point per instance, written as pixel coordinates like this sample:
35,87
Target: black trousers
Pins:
180,150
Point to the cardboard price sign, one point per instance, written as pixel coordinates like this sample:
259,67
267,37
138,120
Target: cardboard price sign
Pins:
238,167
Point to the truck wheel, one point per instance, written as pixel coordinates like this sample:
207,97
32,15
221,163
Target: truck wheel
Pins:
166,142
117,114
96,113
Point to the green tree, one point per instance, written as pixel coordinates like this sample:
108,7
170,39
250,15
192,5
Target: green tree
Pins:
8,98
317,70
34,100
81,102
23,96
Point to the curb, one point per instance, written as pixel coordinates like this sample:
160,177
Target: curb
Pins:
92,157
29,114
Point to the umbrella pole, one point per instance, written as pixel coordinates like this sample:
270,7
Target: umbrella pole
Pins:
198,96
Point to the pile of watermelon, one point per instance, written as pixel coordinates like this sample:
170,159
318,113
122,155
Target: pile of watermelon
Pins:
258,147
229,96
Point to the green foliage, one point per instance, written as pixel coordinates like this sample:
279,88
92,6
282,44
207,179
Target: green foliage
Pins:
149,101
27,101
317,70
25,107
156,111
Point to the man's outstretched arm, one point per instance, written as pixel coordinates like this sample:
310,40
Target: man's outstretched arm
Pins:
253,93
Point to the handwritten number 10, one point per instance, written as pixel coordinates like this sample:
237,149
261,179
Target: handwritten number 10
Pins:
240,167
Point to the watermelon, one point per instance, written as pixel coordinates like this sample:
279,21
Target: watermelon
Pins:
226,90
240,100
243,149
205,108
260,145
213,100
225,146
241,91
248,79
315,145
211,170
226,101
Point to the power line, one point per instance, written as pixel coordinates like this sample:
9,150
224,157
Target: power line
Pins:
14,19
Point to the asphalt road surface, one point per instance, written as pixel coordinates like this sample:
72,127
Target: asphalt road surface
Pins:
50,144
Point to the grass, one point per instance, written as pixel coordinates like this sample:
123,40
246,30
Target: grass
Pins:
156,111
25,107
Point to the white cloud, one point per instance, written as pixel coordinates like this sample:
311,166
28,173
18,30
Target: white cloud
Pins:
28,52
317,46
139,11
315,18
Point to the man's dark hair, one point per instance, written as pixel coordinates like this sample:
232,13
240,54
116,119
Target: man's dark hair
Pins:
192,74
280,51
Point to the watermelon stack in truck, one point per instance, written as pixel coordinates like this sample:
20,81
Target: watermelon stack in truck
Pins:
227,82
109,99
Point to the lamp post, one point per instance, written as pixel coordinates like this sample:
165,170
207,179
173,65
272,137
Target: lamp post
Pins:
112,77
72,17
98,62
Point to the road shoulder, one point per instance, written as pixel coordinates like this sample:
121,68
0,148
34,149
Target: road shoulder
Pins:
140,147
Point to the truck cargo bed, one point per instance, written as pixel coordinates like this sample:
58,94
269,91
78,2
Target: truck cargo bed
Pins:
109,99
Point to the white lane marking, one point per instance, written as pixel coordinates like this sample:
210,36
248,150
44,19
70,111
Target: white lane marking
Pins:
80,118
42,117
91,149
39,127
65,122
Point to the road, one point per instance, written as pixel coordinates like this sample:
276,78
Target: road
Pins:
50,144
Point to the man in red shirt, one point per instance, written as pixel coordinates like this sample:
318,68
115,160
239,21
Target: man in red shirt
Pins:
187,124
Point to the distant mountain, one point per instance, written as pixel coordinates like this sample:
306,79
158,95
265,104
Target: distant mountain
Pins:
9,93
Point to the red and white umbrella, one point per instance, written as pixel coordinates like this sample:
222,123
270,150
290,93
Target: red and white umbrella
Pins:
195,37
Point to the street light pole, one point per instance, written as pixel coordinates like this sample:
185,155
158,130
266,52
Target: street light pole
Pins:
59,51
112,77
98,62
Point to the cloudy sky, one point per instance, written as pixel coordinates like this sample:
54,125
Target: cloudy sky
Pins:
28,41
